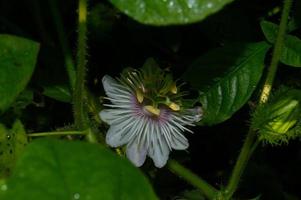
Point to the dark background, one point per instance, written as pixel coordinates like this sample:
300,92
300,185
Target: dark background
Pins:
115,41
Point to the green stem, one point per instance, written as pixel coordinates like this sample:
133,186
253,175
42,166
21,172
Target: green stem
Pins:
56,133
80,114
209,191
251,143
69,64
91,136
240,164
276,52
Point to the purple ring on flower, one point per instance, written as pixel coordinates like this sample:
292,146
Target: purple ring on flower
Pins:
144,129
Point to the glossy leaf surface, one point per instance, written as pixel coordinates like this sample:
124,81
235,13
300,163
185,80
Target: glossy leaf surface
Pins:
17,61
226,78
167,12
53,169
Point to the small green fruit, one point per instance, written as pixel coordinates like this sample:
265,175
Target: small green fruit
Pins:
279,120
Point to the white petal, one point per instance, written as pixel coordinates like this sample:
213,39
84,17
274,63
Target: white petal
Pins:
193,115
115,137
159,150
147,131
136,153
113,89
107,116
173,137
166,133
111,115
120,134
179,143
177,121
178,140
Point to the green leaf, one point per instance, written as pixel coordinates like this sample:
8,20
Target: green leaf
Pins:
58,92
12,144
102,17
19,137
17,60
54,169
291,53
269,30
168,12
226,78
24,99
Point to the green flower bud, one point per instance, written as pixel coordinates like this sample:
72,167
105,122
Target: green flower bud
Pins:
279,120
284,117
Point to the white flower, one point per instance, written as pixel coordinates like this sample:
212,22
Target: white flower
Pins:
144,128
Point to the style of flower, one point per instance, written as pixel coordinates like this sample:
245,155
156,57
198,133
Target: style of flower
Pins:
146,115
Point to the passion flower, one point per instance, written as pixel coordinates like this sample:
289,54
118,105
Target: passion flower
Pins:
147,114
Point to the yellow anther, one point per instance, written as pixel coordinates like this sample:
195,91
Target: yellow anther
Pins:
119,151
174,89
174,106
139,96
152,110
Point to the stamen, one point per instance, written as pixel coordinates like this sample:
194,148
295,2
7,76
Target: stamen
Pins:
174,106
152,110
139,96
174,89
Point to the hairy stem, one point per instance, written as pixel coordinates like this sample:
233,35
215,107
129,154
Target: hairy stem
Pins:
69,64
56,133
241,164
80,114
251,143
209,191
276,52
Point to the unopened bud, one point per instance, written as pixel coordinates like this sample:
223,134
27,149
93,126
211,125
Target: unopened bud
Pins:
284,115
278,121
